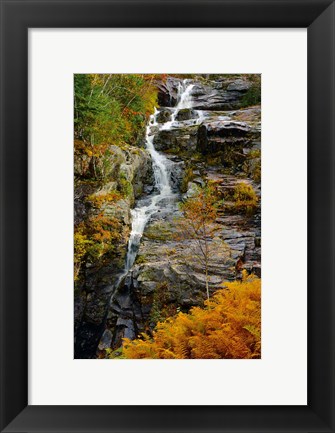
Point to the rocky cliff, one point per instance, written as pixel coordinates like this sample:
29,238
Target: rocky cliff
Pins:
127,176
215,140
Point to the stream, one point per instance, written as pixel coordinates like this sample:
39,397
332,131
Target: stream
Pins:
162,202
162,167
127,296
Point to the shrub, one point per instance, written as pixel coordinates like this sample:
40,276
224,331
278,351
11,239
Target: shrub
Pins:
252,165
103,232
141,258
198,223
245,199
95,238
253,95
188,177
126,188
81,244
257,172
98,200
161,307
228,327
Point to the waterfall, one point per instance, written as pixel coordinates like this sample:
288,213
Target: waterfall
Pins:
201,117
184,100
146,208
163,200
149,206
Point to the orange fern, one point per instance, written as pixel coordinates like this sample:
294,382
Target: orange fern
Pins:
228,327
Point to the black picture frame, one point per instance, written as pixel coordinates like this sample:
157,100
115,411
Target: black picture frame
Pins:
16,18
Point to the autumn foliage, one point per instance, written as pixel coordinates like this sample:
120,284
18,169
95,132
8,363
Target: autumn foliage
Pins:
110,109
245,198
98,200
229,327
95,238
197,224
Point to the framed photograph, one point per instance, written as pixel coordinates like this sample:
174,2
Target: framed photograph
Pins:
167,216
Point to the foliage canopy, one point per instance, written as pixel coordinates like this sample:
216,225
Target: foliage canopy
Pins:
110,109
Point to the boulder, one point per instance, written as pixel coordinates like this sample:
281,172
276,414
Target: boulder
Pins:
164,115
192,190
220,135
106,340
186,114
239,85
167,91
177,140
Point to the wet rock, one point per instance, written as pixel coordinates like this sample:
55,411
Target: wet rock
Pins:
128,171
207,94
186,114
106,340
167,92
164,115
177,174
125,328
177,140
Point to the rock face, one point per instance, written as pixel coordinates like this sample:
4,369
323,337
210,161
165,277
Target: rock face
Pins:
168,91
167,276
213,142
215,136
221,94
177,140
217,140
130,173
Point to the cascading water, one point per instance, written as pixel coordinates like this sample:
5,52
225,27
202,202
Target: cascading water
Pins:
184,100
160,204
201,117
141,214
148,207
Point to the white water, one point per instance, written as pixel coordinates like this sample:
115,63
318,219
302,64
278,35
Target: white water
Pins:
184,100
201,116
148,207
